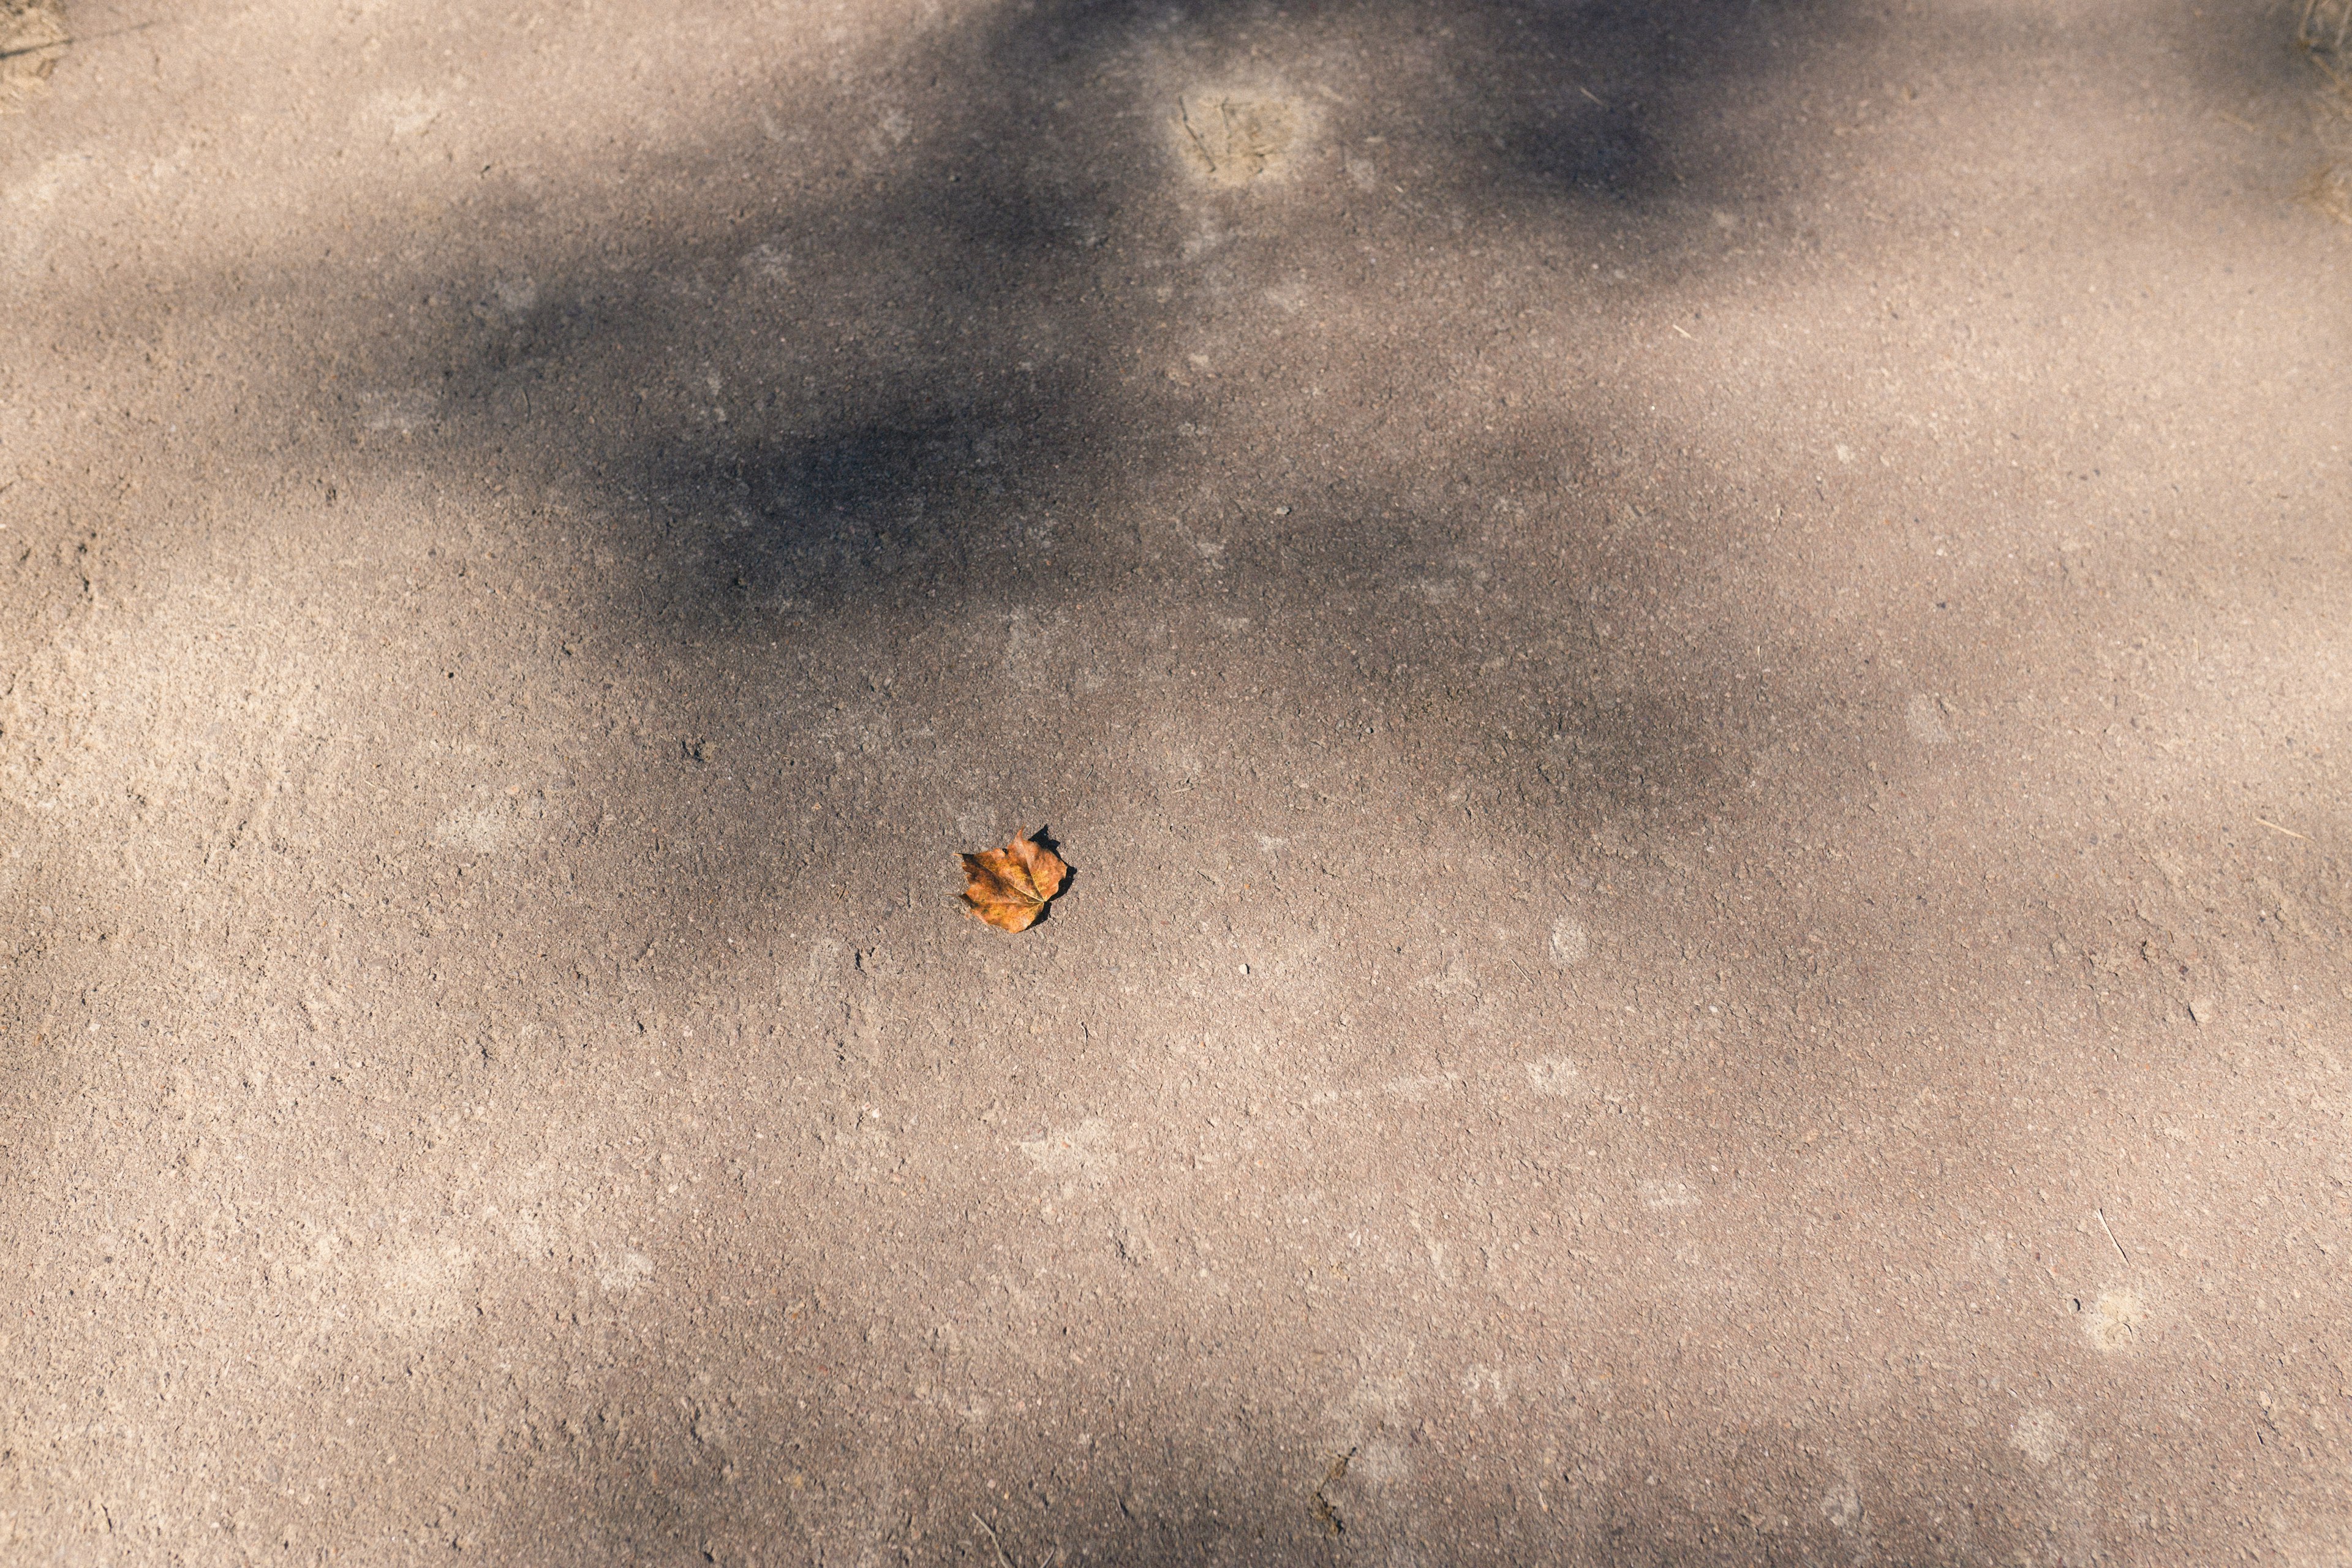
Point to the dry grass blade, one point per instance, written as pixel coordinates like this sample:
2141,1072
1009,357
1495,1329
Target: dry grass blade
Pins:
2321,32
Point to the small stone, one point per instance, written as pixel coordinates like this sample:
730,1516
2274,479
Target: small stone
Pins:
2201,1008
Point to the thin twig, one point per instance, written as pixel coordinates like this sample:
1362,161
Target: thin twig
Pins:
1185,114
1002,1560
76,39
2111,1237
2290,831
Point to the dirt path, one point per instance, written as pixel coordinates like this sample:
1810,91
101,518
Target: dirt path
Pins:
1692,659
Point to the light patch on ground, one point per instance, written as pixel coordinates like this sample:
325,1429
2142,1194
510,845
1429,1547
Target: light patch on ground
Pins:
481,829
1435,1249
400,411
1554,1075
1233,138
515,297
824,957
1422,1085
1452,978
1569,943
1379,1461
523,1233
1923,716
1666,1193
419,1286
2313,1543
2115,1320
1485,1385
48,182
407,114
1082,1153
2038,1435
772,261
621,1274
1131,1238
490,823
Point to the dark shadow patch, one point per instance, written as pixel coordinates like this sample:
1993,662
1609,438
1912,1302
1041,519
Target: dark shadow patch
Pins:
1046,840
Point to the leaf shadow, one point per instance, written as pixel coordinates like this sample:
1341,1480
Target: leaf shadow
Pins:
1045,839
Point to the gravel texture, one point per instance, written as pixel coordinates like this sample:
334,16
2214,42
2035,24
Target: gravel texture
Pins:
1691,657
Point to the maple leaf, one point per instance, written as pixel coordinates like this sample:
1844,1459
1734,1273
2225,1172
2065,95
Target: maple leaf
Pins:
1009,888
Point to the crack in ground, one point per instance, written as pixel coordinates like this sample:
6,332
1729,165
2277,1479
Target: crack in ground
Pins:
1324,1510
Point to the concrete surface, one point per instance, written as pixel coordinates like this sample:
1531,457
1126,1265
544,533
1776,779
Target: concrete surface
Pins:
1692,658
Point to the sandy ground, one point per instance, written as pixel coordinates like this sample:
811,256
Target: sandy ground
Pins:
1694,658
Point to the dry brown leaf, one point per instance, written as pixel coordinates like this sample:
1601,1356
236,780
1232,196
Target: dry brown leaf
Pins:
1009,888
